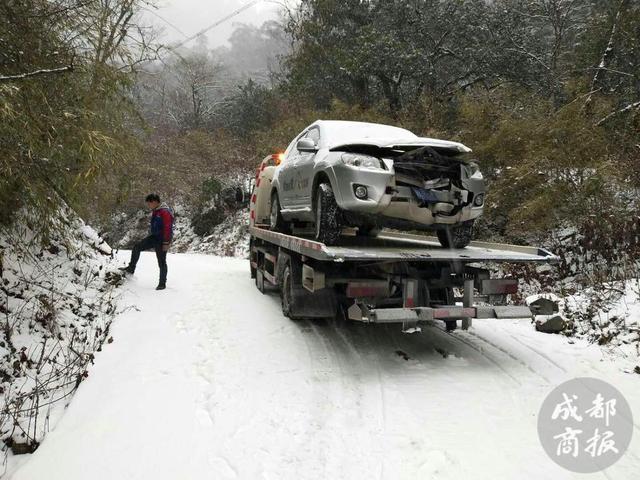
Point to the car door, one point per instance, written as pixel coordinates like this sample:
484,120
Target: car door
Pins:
304,171
286,175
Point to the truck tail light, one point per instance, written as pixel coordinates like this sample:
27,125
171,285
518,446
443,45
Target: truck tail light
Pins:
371,289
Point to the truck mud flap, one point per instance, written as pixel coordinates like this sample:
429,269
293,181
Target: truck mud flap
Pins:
317,305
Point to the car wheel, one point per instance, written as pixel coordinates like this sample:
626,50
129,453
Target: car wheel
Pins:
458,236
327,223
276,222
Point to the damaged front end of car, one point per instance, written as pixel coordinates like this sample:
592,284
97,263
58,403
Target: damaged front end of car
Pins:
436,187
426,184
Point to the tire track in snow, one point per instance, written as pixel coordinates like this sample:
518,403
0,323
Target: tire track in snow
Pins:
322,367
400,381
461,337
454,344
348,396
380,343
361,399
351,335
535,350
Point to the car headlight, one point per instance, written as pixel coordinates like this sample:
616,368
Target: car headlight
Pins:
473,171
361,161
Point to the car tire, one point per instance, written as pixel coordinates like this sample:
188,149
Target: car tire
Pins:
458,236
276,222
327,227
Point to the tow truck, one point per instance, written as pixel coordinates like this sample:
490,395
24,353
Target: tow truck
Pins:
395,277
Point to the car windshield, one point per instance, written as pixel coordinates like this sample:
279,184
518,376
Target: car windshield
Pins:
335,133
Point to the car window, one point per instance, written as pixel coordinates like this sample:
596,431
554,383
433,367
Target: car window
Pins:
314,134
291,150
288,151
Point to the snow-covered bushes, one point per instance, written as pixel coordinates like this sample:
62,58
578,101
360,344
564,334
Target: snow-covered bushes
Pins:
228,239
216,223
608,314
597,279
57,300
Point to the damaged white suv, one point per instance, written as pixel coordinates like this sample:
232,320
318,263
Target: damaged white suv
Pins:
338,174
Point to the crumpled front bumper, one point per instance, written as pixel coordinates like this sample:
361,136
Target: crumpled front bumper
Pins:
378,182
406,206
386,199
412,212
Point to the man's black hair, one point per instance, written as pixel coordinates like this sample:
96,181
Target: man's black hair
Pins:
152,197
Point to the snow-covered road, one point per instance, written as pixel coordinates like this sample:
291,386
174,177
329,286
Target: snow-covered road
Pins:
207,380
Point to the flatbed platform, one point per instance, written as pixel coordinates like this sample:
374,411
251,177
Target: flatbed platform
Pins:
392,246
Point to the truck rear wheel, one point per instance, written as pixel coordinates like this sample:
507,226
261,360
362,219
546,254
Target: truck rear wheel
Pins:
458,236
327,212
260,282
291,295
251,258
286,293
297,302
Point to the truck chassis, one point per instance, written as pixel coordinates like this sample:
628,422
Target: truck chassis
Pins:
393,278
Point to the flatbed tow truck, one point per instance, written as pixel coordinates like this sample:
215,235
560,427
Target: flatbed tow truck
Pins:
392,278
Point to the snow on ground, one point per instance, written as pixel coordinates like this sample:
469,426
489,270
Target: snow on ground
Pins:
56,304
208,380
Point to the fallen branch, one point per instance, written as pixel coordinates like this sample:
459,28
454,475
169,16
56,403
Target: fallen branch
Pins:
44,71
626,109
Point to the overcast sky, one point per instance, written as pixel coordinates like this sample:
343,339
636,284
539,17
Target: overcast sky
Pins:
191,16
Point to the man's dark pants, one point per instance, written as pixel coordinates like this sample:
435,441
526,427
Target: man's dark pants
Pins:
150,243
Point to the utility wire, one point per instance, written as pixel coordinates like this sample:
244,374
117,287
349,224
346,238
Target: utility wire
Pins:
215,24
155,14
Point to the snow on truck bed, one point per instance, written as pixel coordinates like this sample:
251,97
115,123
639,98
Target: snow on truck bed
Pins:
208,380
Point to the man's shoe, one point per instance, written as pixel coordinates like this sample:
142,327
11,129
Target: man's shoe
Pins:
161,287
126,269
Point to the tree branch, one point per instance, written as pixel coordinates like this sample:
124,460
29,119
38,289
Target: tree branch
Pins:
43,71
608,51
626,109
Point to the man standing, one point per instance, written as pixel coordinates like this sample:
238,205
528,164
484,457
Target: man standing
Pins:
161,234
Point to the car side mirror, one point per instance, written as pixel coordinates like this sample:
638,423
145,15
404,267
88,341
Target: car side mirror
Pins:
306,145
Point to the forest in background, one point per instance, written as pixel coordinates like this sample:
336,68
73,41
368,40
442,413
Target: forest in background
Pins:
547,92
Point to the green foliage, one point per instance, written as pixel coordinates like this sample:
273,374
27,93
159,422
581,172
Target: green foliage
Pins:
211,187
396,51
60,131
254,107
